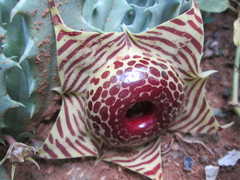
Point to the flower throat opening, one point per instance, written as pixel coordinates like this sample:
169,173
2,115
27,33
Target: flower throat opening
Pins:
139,109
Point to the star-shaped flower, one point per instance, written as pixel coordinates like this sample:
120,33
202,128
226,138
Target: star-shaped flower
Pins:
121,90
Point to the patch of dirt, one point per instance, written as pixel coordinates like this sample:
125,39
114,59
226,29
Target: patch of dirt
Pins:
218,90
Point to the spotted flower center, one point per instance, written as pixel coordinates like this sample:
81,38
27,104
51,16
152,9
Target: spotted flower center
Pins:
132,100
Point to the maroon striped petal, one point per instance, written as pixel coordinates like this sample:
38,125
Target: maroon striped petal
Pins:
145,160
68,137
196,115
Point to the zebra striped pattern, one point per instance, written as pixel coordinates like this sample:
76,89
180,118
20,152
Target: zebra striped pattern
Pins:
80,54
145,160
196,115
69,133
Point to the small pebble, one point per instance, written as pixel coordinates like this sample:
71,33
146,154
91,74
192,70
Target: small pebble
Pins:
213,44
188,163
216,35
175,147
49,170
211,172
81,175
68,173
103,178
177,164
218,113
164,147
204,159
120,168
215,138
227,92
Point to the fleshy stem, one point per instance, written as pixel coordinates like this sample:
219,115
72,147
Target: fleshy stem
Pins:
236,82
10,140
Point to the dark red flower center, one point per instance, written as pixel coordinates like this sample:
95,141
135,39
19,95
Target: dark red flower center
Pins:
131,102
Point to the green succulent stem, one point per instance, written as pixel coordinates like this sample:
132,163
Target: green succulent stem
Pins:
235,101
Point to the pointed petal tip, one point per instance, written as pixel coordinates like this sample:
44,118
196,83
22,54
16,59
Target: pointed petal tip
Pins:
206,74
57,90
33,161
221,127
125,29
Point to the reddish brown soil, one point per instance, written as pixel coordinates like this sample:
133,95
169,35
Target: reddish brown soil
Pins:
217,93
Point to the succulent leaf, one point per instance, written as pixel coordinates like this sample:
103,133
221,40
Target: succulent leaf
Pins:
5,100
22,39
214,6
102,12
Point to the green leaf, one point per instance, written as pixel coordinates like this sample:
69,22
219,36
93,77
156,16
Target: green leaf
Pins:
215,6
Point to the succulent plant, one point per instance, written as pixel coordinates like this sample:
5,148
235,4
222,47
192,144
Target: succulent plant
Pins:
27,64
28,58
122,90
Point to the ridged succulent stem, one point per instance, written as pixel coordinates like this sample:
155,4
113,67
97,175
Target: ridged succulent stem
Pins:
236,82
